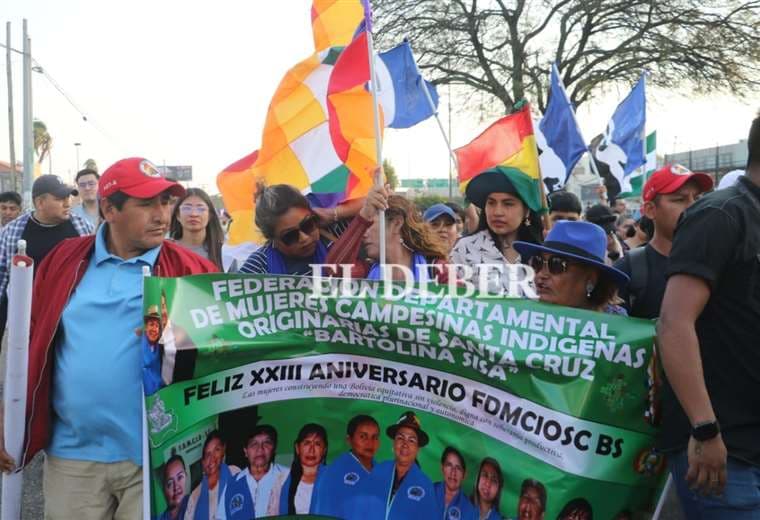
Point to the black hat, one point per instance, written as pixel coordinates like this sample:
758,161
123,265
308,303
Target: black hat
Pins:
54,185
603,216
490,181
409,420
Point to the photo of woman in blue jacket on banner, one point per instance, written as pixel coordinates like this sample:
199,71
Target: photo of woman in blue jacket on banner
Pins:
293,495
205,498
448,493
487,492
341,478
398,489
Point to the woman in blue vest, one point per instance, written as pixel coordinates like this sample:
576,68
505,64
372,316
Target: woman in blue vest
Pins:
454,504
398,489
487,493
293,495
204,500
340,479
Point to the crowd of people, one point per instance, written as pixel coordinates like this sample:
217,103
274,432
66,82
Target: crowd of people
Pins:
691,258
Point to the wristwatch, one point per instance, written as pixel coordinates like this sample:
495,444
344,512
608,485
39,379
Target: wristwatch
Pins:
705,431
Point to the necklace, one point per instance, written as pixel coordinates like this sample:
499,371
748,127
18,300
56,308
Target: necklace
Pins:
41,224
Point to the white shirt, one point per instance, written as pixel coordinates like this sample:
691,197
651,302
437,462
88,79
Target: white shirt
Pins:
261,490
478,249
303,498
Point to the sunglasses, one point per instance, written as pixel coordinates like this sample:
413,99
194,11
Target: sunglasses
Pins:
307,227
555,264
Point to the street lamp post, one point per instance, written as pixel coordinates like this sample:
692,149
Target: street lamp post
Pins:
77,145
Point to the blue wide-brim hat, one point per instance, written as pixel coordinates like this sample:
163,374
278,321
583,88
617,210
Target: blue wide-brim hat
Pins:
582,241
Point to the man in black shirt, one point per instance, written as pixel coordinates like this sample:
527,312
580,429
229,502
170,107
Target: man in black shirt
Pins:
709,334
666,194
43,229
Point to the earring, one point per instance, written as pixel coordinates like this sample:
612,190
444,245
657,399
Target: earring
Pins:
589,290
527,220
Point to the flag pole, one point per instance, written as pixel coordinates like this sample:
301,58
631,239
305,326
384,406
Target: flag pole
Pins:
19,317
592,162
145,439
434,109
544,202
378,130
429,98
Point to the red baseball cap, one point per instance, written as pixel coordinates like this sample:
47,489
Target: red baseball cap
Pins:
670,178
136,177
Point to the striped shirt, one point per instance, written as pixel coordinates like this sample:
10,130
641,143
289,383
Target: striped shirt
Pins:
13,232
258,261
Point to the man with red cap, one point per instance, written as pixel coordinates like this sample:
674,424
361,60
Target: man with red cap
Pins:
666,195
85,362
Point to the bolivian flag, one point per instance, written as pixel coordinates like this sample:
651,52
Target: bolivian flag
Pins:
509,146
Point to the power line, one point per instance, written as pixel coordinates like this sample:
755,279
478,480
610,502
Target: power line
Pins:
37,67
12,49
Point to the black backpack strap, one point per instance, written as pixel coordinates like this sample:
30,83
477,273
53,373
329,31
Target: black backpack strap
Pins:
639,274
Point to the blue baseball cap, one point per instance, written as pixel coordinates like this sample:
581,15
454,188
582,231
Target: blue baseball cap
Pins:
436,210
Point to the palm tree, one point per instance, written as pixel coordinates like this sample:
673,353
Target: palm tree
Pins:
90,164
43,142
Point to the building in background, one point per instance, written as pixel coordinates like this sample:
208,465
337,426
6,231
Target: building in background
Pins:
6,180
417,187
717,160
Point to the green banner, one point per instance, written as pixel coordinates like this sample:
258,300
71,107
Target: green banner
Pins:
562,399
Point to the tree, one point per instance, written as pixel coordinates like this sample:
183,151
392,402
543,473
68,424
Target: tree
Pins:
423,202
90,164
505,49
43,141
390,174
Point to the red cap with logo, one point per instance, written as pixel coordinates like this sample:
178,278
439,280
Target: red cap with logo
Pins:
670,178
138,178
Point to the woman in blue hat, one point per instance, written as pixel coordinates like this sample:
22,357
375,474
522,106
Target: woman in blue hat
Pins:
570,268
505,217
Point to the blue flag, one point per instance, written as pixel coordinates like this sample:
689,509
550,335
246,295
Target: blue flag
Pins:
402,89
622,146
559,138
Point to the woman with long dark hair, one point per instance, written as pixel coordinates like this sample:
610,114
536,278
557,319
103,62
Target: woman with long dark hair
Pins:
486,496
292,495
409,241
297,236
505,217
195,225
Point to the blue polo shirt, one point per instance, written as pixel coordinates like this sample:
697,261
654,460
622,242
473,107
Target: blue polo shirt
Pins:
97,374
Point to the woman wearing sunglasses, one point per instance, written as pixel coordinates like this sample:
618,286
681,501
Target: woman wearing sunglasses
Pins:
409,241
570,268
504,218
195,225
292,229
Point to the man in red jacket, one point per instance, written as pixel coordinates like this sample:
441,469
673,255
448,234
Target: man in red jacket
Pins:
85,362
